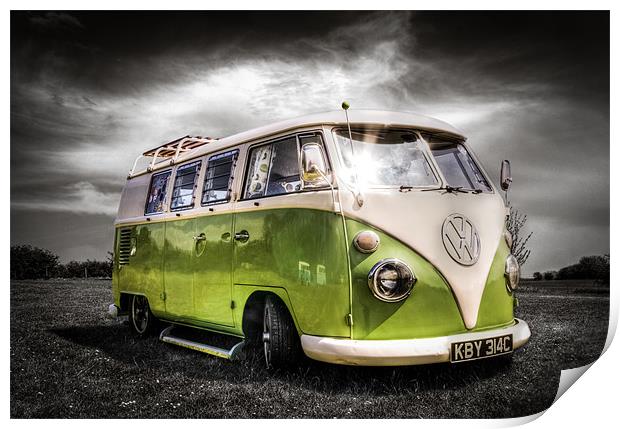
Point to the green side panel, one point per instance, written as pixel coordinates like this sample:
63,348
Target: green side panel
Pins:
143,273
301,250
213,269
429,311
496,307
299,255
178,268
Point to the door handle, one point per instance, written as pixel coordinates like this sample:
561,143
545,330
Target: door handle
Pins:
197,240
242,236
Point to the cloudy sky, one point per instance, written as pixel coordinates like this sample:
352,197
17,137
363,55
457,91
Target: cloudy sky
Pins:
90,91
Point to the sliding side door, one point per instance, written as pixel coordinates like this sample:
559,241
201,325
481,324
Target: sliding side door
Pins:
212,264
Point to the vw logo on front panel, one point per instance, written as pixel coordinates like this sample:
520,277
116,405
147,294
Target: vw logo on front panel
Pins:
461,239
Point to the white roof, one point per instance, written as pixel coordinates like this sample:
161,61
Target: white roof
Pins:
336,117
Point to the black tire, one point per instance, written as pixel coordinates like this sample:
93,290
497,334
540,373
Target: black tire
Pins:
141,320
280,340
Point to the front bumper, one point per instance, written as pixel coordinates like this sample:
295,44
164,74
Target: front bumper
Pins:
401,352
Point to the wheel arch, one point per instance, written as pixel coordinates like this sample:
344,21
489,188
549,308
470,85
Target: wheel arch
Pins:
252,314
125,300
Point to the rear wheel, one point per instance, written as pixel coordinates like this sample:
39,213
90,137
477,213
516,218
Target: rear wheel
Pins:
141,319
280,339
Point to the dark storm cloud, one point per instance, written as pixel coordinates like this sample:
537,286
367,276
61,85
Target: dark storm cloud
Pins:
55,21
89,91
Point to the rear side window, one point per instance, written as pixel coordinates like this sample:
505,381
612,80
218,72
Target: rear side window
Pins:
184,186
218,178
273,169
156,199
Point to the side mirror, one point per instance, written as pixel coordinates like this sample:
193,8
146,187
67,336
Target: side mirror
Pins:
505,176
313,166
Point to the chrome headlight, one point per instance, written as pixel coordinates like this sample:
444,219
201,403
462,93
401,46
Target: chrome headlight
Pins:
391,280
512,272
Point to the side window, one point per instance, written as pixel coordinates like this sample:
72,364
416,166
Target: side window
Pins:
273,169
184,186
218,178
156,199
258,172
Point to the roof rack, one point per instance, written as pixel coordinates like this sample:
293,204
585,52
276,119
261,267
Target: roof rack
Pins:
171,151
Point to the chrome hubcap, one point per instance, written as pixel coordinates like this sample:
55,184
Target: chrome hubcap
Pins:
140,314
266,336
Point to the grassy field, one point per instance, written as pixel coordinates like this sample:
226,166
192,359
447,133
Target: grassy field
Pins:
69,360
564,287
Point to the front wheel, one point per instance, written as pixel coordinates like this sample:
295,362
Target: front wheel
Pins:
280,339
142,321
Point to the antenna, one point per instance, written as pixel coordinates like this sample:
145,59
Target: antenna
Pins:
345,107
358,194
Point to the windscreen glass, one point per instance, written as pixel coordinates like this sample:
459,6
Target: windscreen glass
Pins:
458,167
384,158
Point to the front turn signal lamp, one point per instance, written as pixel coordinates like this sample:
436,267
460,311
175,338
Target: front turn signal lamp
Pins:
391,280
366,241
512,272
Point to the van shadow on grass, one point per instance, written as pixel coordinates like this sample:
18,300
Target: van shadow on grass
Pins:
116,341
381,381
151,357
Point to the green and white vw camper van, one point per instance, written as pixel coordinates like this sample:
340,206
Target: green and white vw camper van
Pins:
359,237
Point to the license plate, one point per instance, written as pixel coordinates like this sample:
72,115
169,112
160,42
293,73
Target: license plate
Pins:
482,348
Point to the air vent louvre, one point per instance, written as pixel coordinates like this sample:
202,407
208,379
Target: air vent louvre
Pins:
124,246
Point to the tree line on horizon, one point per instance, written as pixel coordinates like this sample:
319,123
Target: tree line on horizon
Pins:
30,262
593,267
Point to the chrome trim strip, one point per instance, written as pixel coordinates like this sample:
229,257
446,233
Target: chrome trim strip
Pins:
167,337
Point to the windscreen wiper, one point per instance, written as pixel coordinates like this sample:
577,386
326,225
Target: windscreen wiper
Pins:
450,189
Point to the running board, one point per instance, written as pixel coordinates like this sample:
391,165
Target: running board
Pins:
231,354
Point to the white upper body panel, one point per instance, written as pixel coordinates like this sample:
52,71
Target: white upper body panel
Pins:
133,198
367,117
